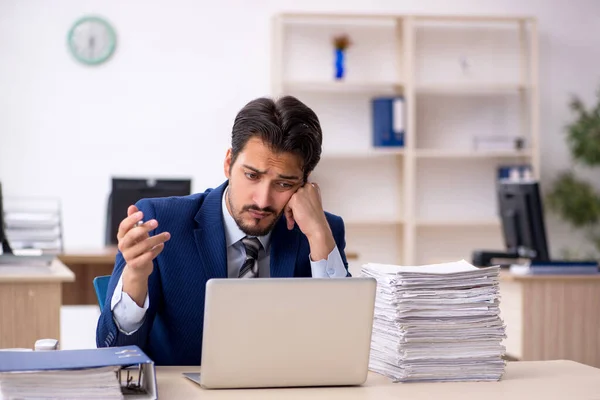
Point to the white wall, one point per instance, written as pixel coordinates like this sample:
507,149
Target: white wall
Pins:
164,105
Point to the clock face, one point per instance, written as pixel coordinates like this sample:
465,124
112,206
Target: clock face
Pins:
92,40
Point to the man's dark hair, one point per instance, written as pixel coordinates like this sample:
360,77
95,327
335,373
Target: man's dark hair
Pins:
286,125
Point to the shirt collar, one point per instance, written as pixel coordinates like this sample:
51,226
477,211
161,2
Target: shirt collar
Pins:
233,233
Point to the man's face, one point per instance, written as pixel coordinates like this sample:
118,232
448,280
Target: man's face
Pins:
261,183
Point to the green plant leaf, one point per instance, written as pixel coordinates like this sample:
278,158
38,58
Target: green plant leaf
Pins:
574,200
583,134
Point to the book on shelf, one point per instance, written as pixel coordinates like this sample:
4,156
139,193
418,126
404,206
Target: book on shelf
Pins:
514,172
388,121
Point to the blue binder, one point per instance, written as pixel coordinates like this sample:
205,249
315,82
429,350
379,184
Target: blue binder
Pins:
388,118
557,268
65,360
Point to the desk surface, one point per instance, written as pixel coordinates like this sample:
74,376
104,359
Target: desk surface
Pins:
56,272
505,275
525,379
104,255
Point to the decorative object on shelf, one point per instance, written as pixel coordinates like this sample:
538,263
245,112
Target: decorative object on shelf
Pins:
388,121
92,40
465,65
574,200
515,173
341,43
498,143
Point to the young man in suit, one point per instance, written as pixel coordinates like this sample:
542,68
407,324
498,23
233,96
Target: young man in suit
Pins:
266,220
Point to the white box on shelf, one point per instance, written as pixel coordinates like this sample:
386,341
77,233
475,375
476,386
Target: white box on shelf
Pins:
498,143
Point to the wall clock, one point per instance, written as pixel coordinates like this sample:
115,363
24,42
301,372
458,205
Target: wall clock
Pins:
92,40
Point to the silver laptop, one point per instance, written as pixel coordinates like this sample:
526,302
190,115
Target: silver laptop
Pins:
287,332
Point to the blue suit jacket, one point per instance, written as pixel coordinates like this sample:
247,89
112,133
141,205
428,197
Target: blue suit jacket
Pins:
171,333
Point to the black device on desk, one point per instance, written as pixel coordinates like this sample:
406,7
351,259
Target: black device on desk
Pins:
3,239
127,191
523,227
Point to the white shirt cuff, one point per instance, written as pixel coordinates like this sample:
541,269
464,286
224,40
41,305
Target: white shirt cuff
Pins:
332,267
128,316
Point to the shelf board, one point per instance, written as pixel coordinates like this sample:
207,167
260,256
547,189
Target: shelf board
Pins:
333,19
471,154
305,17
343,87
350,221
470,88
473,18
474,222
371,153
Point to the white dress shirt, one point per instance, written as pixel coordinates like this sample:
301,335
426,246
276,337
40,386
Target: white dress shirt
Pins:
129,316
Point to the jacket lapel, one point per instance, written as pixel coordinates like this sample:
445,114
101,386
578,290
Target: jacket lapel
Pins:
284,249
210,235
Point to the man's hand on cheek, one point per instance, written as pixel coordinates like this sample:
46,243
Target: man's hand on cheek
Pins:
306,209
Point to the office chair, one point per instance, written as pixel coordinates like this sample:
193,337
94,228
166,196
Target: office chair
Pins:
101,287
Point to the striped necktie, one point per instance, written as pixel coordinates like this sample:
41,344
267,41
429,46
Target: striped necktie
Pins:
250,267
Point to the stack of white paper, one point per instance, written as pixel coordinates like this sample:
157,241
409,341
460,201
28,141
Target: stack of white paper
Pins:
437,323
33,224
93,383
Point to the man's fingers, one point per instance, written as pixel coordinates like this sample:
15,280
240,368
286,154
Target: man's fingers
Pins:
128,223
148,256
133,254
316,186
289,216
146,245
131,210
137,234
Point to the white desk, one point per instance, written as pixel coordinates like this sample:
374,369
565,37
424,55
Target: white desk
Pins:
30,300
523,380
551,317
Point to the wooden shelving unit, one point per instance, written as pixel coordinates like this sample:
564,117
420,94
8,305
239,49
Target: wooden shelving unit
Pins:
466,154
461,76
371,153
342,87
463,222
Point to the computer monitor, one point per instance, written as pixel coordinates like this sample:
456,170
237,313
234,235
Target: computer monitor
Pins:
127,191
6,249
522,215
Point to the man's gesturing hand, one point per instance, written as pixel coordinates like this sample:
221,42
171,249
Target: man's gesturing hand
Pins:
305,208
138,249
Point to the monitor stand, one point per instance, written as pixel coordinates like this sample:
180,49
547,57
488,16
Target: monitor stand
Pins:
483,258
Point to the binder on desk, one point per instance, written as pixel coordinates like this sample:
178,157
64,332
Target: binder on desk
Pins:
107,373
556,268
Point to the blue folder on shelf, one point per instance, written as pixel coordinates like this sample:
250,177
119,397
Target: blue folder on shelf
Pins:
133,368
388,121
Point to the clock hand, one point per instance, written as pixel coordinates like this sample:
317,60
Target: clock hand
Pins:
91,42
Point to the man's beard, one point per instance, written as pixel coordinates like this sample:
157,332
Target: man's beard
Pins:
252,230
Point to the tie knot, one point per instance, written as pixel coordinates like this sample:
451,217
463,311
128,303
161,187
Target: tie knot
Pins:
252,246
